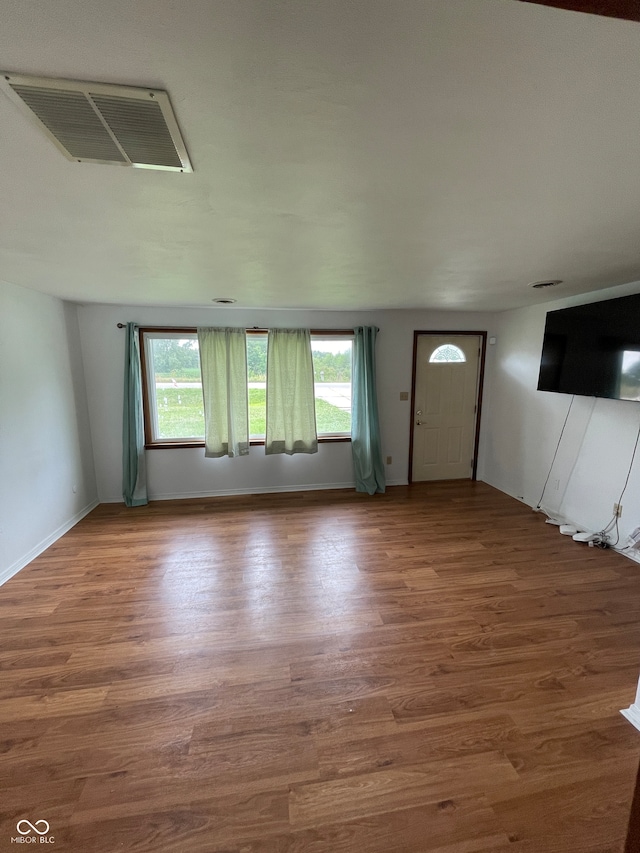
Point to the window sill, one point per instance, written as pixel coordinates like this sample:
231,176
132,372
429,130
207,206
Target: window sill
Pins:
165,445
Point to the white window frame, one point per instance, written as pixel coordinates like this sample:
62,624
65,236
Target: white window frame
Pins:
150,401
336,336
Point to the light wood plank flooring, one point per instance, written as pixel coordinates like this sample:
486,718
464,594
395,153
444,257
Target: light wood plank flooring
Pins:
435,670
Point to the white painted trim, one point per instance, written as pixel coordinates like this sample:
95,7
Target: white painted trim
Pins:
19,564
629,553
632,713
259,490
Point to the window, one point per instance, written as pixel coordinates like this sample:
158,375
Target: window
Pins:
332,356
257,382
447,353
174,412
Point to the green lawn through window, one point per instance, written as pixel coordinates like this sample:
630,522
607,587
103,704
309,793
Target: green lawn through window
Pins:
181,414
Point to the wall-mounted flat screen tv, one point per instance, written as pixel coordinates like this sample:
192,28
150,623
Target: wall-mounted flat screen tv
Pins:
593,350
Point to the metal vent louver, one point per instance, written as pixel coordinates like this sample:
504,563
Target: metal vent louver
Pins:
103,123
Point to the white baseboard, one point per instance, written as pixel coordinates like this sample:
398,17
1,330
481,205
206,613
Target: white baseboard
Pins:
13,569
629,553
632,713
257,490
250,490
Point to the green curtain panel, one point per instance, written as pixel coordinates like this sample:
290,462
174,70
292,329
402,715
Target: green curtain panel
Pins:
366,446
223,364
134,472
291,408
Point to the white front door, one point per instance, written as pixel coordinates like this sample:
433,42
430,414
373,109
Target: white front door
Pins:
444,417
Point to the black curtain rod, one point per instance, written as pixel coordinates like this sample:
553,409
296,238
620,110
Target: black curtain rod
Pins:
124,326
256,329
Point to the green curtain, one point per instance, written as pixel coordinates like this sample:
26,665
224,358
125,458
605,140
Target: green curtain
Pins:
134,472
366,446
291,407
223,364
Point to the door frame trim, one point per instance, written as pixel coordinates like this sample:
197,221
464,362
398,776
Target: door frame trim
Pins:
483,354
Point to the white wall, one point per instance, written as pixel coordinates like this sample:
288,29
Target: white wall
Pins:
45,443
42,384
186,472
523,426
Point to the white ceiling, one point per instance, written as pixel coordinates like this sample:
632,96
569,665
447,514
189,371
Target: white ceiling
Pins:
347,154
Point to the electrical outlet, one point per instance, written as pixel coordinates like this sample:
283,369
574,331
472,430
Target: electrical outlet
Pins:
617,510
388,460
404,395
556,484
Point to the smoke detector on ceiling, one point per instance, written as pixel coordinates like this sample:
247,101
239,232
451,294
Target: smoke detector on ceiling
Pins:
102,123
551,282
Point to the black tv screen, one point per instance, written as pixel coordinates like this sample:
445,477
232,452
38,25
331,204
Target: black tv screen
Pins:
593,350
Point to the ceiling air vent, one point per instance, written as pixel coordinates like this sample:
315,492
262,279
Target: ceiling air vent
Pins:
103,123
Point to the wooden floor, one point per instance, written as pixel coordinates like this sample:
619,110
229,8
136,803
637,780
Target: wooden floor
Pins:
435,670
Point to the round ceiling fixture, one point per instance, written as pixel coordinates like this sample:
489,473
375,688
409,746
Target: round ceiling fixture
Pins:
224,300
550,282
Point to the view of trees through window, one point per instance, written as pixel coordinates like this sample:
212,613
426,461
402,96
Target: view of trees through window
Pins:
176,358
174,385
332,383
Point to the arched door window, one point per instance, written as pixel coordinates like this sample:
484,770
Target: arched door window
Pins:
447,353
